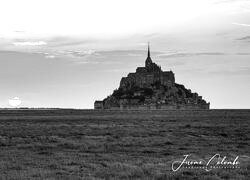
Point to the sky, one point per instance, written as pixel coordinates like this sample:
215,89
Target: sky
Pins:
69,53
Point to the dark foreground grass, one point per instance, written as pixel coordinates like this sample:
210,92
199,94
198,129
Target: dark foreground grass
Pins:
77,144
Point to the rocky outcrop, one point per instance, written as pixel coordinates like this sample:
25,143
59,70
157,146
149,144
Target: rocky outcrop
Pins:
151,88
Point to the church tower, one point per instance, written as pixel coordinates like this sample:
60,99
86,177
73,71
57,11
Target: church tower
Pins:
148,61
150,65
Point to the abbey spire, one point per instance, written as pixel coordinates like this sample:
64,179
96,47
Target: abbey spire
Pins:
148,61
148,50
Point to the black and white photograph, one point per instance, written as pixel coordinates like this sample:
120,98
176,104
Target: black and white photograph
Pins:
124,89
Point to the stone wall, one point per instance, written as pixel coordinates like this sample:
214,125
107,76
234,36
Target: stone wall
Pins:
147,79
161,107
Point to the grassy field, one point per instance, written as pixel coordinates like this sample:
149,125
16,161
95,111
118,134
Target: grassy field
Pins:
88,144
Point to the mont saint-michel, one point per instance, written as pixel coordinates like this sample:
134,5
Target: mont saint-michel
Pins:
151,88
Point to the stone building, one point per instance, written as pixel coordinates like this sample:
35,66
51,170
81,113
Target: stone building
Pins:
98,105
151,88
145,76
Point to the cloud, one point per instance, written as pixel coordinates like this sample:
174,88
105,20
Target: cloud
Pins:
125,53
231,72
64,41
228,1
50,56
134,55
29,43
241,24
179,55
242,53
68,53
19,31
244,38
78,53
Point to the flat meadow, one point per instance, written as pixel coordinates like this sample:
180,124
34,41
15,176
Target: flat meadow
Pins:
91,144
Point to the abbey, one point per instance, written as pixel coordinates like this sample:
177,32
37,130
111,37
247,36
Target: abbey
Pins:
151,88
148,75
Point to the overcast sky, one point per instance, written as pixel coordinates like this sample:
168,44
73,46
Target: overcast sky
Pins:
69,53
